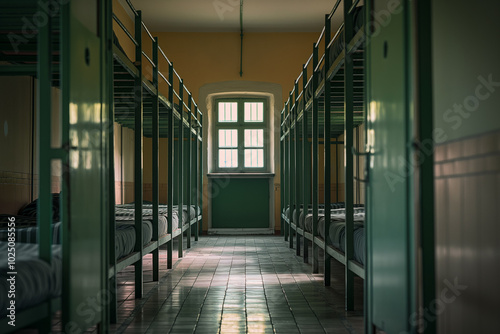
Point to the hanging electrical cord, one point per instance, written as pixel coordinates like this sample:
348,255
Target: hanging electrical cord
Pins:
241,36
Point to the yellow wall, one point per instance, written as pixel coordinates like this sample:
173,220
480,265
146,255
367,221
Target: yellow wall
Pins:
202,58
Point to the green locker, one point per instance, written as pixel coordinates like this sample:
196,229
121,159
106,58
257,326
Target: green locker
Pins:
390,223
83,132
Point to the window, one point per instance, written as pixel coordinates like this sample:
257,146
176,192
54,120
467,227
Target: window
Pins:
241,136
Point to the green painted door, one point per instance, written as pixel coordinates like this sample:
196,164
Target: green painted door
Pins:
240,202
389,226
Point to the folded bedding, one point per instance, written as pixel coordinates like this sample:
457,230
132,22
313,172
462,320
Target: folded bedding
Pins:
125,237
36,280
336,234
127,210
30,234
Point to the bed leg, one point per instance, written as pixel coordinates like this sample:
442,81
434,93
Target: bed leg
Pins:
180,243
315,255
156,264
297,241
306,250
138,279
328,269
113,303
170,251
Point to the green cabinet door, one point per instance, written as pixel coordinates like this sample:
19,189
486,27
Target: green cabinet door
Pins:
81,90
389,201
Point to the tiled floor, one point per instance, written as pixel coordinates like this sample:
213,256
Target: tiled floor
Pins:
243,284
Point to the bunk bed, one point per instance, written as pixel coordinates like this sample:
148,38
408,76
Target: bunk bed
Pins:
327,101
138,104
133,100
42,41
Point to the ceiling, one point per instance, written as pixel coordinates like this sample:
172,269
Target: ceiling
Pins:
224,15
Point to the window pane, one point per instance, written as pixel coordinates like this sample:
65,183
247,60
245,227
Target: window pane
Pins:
228,158
228,138
228,112
254,138
254,158
254,111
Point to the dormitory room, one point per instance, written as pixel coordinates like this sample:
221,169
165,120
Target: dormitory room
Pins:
250,166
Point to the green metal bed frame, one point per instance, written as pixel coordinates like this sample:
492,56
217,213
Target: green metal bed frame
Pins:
337,105
48,57
153,115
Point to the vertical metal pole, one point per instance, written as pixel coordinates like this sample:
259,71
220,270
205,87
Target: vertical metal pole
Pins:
286,183
44,69
298,172
425,176
108,21
367,305
138,142
315,162
282,175
156,161
291,163
306,162
44,217
327,148
196,176
189,175
200,161
349,166
180,172
337,168
170,171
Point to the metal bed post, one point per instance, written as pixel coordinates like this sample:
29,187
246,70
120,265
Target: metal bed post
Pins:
285,172
291,164
190,171
196,177
327,148
44,70
425,176
113,316
180,172
282,175
200,162
106,34
170,168
111,313
315,162
306,161
138,141
298,172
337,167
156,161
349,168
367,302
